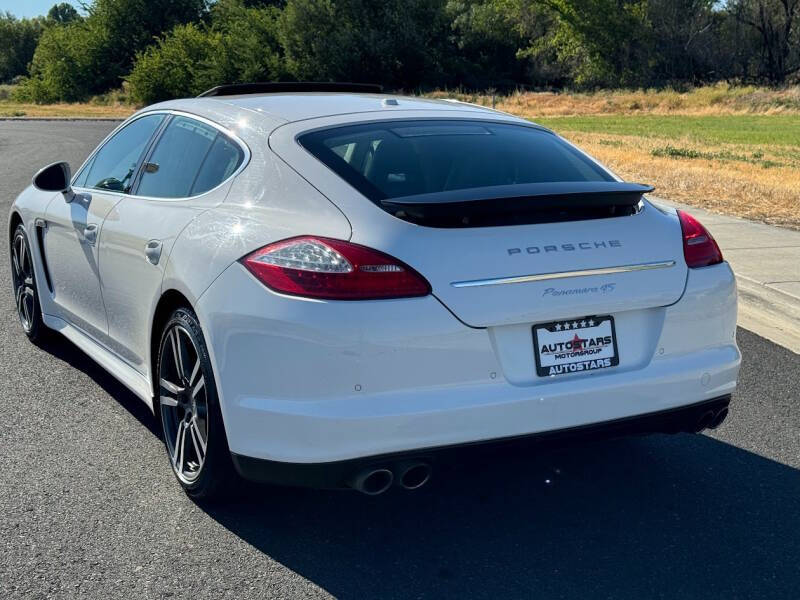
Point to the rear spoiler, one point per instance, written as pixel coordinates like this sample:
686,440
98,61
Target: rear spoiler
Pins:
530,202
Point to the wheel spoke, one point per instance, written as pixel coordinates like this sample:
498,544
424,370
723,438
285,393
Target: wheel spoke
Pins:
198,431
21,304
198,387
195,371
15,260
180,439
167,401
170,387
197,442
177,355
26,304
23,256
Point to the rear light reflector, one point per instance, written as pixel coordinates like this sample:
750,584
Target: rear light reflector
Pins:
699,247
317,267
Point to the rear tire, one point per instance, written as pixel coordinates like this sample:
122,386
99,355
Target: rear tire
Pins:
191,419
26,293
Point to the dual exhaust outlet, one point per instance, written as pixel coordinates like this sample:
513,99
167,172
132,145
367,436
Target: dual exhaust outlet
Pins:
412,475
374,480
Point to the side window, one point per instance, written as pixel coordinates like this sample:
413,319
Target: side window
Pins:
114,165
189,158
221,161
80,178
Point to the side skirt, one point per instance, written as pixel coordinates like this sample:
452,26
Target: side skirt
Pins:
116,367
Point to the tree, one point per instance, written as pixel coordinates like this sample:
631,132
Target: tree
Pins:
63,13
400,43
240,45
684,33
92,55
59,67
489,35
604,42
18,39
176,66
778,25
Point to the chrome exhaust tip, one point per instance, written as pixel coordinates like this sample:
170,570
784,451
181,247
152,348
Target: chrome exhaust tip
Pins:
414,475
372,481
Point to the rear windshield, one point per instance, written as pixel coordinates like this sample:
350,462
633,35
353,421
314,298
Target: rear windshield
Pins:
395,159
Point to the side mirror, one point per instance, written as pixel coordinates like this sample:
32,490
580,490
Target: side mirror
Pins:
55,178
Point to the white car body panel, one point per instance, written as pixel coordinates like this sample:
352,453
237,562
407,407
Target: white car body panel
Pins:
74,259
316,381
369,378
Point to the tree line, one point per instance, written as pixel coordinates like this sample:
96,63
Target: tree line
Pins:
160,49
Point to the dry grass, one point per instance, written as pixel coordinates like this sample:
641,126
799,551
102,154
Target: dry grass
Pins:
731,150
113,104
725,178
78,110
710,100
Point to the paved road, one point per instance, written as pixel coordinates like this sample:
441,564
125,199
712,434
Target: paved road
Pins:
89,508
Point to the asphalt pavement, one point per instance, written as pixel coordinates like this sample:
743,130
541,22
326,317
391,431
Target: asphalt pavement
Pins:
90,509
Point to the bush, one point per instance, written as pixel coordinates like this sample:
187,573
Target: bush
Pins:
174,67
242,45
80,58
18,39
399,43
59,68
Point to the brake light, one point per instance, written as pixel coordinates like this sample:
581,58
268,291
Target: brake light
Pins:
317,267
699,247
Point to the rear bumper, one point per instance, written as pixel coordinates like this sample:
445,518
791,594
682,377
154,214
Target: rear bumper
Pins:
304,381
332,475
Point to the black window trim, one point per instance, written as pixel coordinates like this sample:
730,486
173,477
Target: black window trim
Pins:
150,147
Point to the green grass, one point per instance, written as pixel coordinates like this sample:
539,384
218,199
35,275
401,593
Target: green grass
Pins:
670,151
779,129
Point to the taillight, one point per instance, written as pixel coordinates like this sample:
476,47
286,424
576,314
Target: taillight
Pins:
699,247
317,267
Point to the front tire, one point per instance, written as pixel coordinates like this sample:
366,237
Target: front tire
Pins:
191,419
26,296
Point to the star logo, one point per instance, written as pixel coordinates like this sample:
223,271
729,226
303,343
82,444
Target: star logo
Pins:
574,324
577,343
583,323
558,326
566,325
591,322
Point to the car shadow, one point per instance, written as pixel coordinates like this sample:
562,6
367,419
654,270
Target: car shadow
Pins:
656,516
682,515
64,350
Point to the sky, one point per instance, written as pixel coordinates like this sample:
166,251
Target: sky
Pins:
31,8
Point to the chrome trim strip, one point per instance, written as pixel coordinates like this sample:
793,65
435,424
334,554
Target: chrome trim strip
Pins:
564,274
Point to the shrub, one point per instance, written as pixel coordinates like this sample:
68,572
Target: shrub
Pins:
241,45
59,68
174,67
400,43
84,57
18,39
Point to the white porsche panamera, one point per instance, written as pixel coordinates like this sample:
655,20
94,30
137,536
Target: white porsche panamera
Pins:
323,285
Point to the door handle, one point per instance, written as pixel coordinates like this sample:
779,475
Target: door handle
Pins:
152,251
90,234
